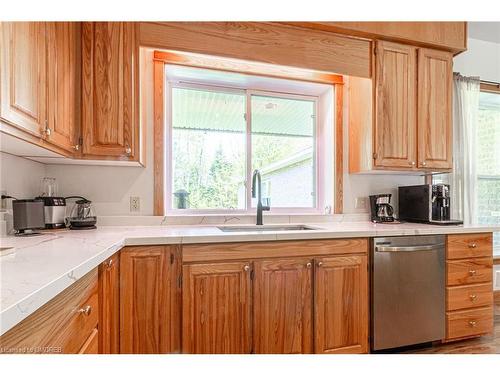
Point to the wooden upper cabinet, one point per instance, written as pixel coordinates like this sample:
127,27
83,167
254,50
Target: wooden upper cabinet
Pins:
395,103
63,84
341,305
216,301
23,75
147,285
282,308
109,303
435,80
110,126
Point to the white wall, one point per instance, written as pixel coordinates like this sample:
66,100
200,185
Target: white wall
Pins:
481,59
20,177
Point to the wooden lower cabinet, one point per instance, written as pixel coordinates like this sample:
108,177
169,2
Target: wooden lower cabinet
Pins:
148,300
109,302
341,304
216,300
282,306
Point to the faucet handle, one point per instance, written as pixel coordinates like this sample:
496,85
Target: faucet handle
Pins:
266,204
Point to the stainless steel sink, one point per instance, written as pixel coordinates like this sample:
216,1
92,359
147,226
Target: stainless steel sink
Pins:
265,228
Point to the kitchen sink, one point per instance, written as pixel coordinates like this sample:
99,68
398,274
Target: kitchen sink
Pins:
265,228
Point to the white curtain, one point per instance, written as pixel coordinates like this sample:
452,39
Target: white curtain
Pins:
463,180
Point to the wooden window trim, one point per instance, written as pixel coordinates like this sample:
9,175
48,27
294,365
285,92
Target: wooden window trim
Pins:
490,87
208,62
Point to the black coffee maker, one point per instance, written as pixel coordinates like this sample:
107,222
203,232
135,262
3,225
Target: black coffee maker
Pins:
381,210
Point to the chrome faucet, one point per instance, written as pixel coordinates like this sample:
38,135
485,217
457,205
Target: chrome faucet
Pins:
257,184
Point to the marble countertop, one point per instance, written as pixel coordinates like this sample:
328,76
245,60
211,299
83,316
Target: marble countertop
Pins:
43,266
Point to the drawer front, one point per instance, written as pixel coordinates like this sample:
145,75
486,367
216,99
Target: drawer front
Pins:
469,322
469,271
476,245
91,346
467,297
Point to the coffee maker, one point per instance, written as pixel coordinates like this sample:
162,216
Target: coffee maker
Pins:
381,210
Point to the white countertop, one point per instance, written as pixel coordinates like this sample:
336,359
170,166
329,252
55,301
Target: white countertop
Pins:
43,266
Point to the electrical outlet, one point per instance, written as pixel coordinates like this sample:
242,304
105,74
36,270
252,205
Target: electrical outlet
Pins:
360,203
135,204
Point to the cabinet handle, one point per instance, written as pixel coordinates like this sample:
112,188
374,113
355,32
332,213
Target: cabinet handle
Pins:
76,147
85,310
472,297
412,163
128,150
320,264
472,245
472,323
424,164
109,263
246,268
309,265
47,131
472,272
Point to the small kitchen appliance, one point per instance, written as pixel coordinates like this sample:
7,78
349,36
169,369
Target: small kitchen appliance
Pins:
381,210
28,215
54,206
82,214
426,204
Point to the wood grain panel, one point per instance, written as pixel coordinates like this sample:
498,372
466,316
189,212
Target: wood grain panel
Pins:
63,84
146,285
339,149
159,138
23,75
91,346
469,271
216,308
469,296
282,315
396,100
109,302
273,249
341,305
57,326
451,36
110,125
468,323
435,138
263,42
471,245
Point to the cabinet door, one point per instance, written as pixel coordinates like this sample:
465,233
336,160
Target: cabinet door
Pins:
435,80
109,302
282,315
147,285
22,64
110,125
216,300
62,84
341,305
395,102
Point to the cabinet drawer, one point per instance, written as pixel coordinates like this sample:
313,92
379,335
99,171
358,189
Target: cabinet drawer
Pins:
469,322
469,271
91,346
460,246
57,326
466,297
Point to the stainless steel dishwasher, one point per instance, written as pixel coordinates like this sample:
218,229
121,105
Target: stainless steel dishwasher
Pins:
408,291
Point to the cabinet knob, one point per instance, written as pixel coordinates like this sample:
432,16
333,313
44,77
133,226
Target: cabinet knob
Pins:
472,297
412,163
246,268
472,272
109,263
424,164
320,264
472,323
76,147
309,265
47,131
473,245
128,150
85,310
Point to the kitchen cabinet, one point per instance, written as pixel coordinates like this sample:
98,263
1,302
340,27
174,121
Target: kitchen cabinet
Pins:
23,75
435,80
341,304
282,306
109,302
110,124
63,85
67,324
401,119
216,300
148,299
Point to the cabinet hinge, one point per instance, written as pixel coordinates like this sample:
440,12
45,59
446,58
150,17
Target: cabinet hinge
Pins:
251,274
171,258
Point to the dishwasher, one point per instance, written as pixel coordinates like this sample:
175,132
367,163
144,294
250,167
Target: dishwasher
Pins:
407,291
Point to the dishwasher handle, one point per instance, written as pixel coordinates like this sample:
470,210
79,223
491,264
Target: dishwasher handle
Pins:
397,249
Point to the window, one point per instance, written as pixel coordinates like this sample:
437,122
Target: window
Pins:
217,136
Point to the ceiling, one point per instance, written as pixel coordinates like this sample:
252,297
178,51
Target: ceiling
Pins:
488,31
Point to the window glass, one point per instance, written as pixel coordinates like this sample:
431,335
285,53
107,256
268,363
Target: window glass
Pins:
283,149
208,149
